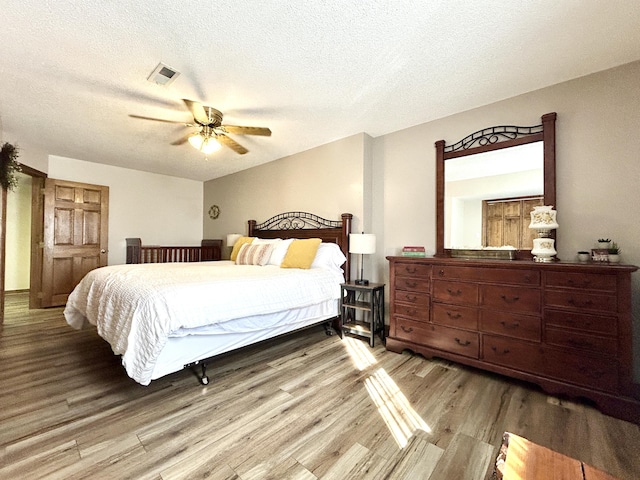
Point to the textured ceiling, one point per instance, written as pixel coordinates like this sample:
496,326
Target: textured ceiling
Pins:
313,71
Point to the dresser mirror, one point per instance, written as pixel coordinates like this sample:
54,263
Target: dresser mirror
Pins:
509,165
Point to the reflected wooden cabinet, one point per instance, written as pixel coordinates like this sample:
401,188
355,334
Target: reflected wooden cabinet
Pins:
506,222
563,326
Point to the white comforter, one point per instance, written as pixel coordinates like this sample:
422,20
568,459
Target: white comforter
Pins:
137,307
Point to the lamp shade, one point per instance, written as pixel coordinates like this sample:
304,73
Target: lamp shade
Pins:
362,243
543,218
232,238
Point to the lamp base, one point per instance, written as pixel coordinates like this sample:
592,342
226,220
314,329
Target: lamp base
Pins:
361,282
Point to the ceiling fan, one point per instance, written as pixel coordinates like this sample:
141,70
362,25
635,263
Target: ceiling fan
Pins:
211,132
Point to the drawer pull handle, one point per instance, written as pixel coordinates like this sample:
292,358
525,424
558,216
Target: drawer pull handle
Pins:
504,350
580,343
461,343
453,316
412,312
412,284
410,269
441,272
411,298
510,325
407,329
583,284
454,292
509,299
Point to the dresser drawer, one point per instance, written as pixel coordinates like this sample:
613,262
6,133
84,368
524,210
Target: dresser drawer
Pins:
583,341
583,281
455,316
527,327
453,340
414,312
580,321
489,275
413,284
524,356
579,300
411,269
511,299
596,372
405,329
459,293
411,298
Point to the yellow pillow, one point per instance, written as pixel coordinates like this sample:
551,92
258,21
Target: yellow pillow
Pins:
236,246
301,253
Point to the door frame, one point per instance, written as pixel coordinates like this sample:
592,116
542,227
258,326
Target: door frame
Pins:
37,227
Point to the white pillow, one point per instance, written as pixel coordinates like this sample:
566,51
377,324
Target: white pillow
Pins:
329,256
279,251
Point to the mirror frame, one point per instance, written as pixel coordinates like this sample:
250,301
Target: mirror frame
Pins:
496,138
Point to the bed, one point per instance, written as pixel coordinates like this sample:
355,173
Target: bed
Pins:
163,317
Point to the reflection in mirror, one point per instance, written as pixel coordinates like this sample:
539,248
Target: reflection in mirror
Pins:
470,181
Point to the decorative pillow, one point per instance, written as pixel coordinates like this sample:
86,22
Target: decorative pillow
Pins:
236,246
279,251
329,257
301,253
250,254
266,240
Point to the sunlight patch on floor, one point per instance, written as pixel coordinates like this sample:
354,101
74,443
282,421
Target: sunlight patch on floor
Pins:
396,411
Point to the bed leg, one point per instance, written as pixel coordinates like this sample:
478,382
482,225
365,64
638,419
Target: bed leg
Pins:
204,379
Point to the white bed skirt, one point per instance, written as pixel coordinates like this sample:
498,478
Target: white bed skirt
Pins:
180,351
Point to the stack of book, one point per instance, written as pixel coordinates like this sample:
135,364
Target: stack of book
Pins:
413,252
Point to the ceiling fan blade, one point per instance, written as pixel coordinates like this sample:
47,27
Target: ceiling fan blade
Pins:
231,143
197,110
162,120
247,130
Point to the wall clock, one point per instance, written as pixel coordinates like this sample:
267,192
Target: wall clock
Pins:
214,212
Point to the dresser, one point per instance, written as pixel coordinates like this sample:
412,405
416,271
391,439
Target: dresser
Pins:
564,326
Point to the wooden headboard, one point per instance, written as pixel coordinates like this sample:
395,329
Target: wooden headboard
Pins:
307,225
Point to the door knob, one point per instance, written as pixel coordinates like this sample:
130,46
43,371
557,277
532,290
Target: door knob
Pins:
103,251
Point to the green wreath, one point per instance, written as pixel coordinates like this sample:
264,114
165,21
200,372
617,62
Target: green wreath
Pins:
9,166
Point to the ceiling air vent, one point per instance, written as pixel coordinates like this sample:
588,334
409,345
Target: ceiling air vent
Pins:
163,75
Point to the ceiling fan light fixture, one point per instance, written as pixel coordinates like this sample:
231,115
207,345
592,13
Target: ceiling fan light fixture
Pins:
205,144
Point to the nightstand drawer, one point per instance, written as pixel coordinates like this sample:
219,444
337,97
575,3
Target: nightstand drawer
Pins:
455,316
511,299
527,327
458,293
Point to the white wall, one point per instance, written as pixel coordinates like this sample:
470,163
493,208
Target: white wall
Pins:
326,181
18,240
159,209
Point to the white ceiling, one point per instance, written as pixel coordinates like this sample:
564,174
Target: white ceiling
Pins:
313,71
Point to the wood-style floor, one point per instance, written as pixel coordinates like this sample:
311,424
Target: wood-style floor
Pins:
303,407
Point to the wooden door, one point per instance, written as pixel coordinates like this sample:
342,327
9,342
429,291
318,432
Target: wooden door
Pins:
75,236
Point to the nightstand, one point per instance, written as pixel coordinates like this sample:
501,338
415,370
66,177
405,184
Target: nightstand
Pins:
369,301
